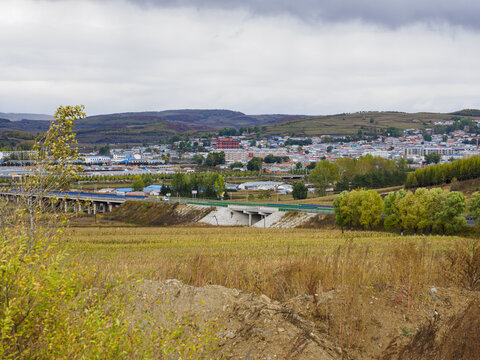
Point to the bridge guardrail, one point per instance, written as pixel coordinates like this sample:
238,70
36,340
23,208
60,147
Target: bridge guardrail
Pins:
84,195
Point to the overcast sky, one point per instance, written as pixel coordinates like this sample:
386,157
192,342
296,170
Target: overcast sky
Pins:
254,56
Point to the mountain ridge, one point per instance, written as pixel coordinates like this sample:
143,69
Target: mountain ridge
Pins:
151,126
25,116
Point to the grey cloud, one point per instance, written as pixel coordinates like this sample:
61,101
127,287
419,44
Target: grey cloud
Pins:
114,56
389,13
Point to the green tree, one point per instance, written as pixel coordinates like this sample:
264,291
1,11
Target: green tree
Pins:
198,159
474,207
393,132
56,151
236,164
300,191
371,208
323,175
147,179
427,137
255,164
215,158
342,185
391,209
433,158
358,209
449,218
411,181
104,150
180,185
219,186
137,183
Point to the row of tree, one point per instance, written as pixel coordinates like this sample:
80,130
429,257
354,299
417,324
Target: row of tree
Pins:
463,169
210,185
366,171
423,211
241,131
156,177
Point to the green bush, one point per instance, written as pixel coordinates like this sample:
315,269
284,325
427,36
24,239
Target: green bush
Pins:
300,191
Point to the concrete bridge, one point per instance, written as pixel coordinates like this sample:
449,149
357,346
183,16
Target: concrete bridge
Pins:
92,203
251,214
244,215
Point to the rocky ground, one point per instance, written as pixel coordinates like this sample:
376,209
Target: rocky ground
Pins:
445,326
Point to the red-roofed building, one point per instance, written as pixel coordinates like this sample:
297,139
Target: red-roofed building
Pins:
228,143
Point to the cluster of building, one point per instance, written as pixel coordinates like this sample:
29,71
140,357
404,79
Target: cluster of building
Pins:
171,158
411,145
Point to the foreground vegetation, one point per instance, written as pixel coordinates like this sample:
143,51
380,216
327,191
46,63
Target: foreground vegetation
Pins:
276,262
53,307
283,263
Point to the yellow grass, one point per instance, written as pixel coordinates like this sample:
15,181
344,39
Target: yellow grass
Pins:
282,263
249,258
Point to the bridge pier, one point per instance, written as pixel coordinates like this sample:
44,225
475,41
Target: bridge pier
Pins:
67,201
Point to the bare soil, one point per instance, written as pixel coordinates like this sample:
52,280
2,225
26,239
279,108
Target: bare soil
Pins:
156,214
445,326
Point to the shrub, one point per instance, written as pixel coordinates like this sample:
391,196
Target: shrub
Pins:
300,191
463,264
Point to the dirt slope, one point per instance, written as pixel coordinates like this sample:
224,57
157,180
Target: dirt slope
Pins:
458,338
257,327
157,214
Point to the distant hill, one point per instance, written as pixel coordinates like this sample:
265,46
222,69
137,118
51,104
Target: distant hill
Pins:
24,116
151,126
138,127
30,126
205,119
369,122
467,112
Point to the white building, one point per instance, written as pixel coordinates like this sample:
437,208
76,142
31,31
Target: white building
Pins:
97,159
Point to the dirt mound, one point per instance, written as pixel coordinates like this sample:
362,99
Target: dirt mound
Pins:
255,327
456,339
320,221
462,339
157,214
310,327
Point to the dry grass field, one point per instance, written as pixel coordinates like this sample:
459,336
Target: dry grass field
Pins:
362,290
277,262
